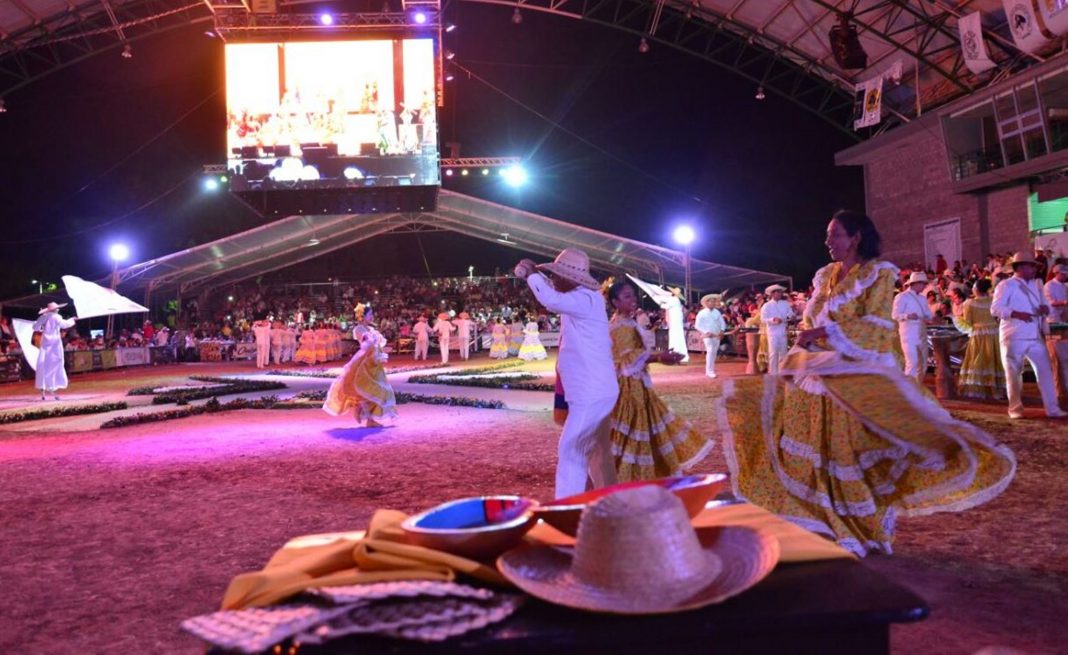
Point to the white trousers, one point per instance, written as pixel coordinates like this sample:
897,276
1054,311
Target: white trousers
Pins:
1013,354
585,451
915,357
421,348
777,349
276,353
263,354
465,347
711,350
444,344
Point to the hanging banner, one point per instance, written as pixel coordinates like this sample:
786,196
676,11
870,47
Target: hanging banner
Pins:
869,98
972,45
1028,30
1055,15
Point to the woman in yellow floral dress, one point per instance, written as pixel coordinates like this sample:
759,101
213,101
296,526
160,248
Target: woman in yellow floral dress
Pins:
842,442
648,439
982,375
362,386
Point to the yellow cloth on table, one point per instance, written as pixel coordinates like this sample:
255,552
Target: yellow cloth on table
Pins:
379,555
795,543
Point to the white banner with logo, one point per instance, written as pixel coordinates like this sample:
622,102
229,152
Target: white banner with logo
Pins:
972,44
1027,27
244,350
131,357
870,96
1057,242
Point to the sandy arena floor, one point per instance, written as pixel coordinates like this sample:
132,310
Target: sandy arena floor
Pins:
111,537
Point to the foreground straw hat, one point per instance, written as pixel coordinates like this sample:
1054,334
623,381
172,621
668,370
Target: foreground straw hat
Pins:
715,298
51,307
636,553
573,265
774,287
917,278
1023,258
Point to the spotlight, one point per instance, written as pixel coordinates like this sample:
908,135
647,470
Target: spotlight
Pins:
353,173
485,171
450,27
127,51
449,54
209,34
3,106
463,172
845,45
449,77
760,93
684,235
514,176
211,184
118,252
223,179
643,46
326,19
419,18
517,17
448,172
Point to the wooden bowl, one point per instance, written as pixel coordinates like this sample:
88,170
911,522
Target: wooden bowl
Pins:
479,528
693,490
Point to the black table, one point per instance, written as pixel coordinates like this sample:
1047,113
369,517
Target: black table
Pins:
835,606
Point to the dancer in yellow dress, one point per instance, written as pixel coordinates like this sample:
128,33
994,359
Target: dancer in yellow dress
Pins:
982,375
842,442
362,386
648,439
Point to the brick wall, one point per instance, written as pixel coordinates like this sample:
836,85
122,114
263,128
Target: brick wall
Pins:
907,184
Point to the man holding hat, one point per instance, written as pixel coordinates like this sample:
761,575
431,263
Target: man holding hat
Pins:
912,314
422,338
1022,308
775,314
585,365
51,374
463,328
710,324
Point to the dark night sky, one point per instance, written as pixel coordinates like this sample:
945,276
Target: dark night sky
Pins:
666,128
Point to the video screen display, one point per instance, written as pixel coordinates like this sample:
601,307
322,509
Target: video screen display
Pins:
331,114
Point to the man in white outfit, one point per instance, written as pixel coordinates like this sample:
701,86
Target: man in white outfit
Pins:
463,331
261,330
912,313
676,329
1022,308
444,328
51,373
278,338
1057,297
710,324
585,366
422,338
775,314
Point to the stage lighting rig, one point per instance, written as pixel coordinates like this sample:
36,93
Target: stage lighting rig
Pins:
845,44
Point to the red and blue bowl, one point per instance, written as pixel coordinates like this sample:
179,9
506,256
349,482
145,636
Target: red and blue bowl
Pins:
479,528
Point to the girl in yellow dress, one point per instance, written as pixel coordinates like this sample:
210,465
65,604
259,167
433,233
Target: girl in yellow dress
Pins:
842,442
499,344
306,352
362,386
648,439
982,375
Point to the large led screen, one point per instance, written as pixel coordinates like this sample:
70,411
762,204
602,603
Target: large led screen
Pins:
331,114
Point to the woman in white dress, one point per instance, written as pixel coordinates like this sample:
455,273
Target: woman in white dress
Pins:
531,349
51,374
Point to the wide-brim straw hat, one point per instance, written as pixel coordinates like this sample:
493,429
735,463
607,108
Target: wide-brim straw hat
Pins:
774,287
918,277
714,298
636,553
1023,258
51,307
573,265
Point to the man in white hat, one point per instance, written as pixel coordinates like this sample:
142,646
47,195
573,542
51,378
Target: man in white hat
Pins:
422,338
912,314
51,374
1056,291
585,366
463,325
444,328
261,330
1022,308
775,314
710,324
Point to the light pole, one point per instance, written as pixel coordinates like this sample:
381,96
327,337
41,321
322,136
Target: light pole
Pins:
684,236
118,252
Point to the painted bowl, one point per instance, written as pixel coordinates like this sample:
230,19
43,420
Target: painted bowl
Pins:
693,490
478,528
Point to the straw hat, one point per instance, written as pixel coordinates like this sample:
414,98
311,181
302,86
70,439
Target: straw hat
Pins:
636,553
443,316
675,291
1022,258
917,277
51,307
573,265
774,287
715,298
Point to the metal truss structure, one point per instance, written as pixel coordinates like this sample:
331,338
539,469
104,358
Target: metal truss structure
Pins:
479,162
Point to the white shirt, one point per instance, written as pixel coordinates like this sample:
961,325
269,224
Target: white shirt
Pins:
1014,294
464,326
422,331
1057,291
262,333
585,360
443,328
710,320
779,309
909,302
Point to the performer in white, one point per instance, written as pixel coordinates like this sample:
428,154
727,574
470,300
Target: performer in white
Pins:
585,367
775,314
51,374
1019,303
422,338
1056,291
261,330
710,324
444,328
912,314
278,337
289,343
463,331
671,303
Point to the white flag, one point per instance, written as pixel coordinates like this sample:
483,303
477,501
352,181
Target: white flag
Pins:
91,299
658,293
971,43
24,334
869,96
1028,30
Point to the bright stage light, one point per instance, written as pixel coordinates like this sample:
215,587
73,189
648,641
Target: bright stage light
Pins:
514,176
353,173
211,184
448,172
326,19
485,171
450,27
684,235
420,18
463,172
118,252
449,77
